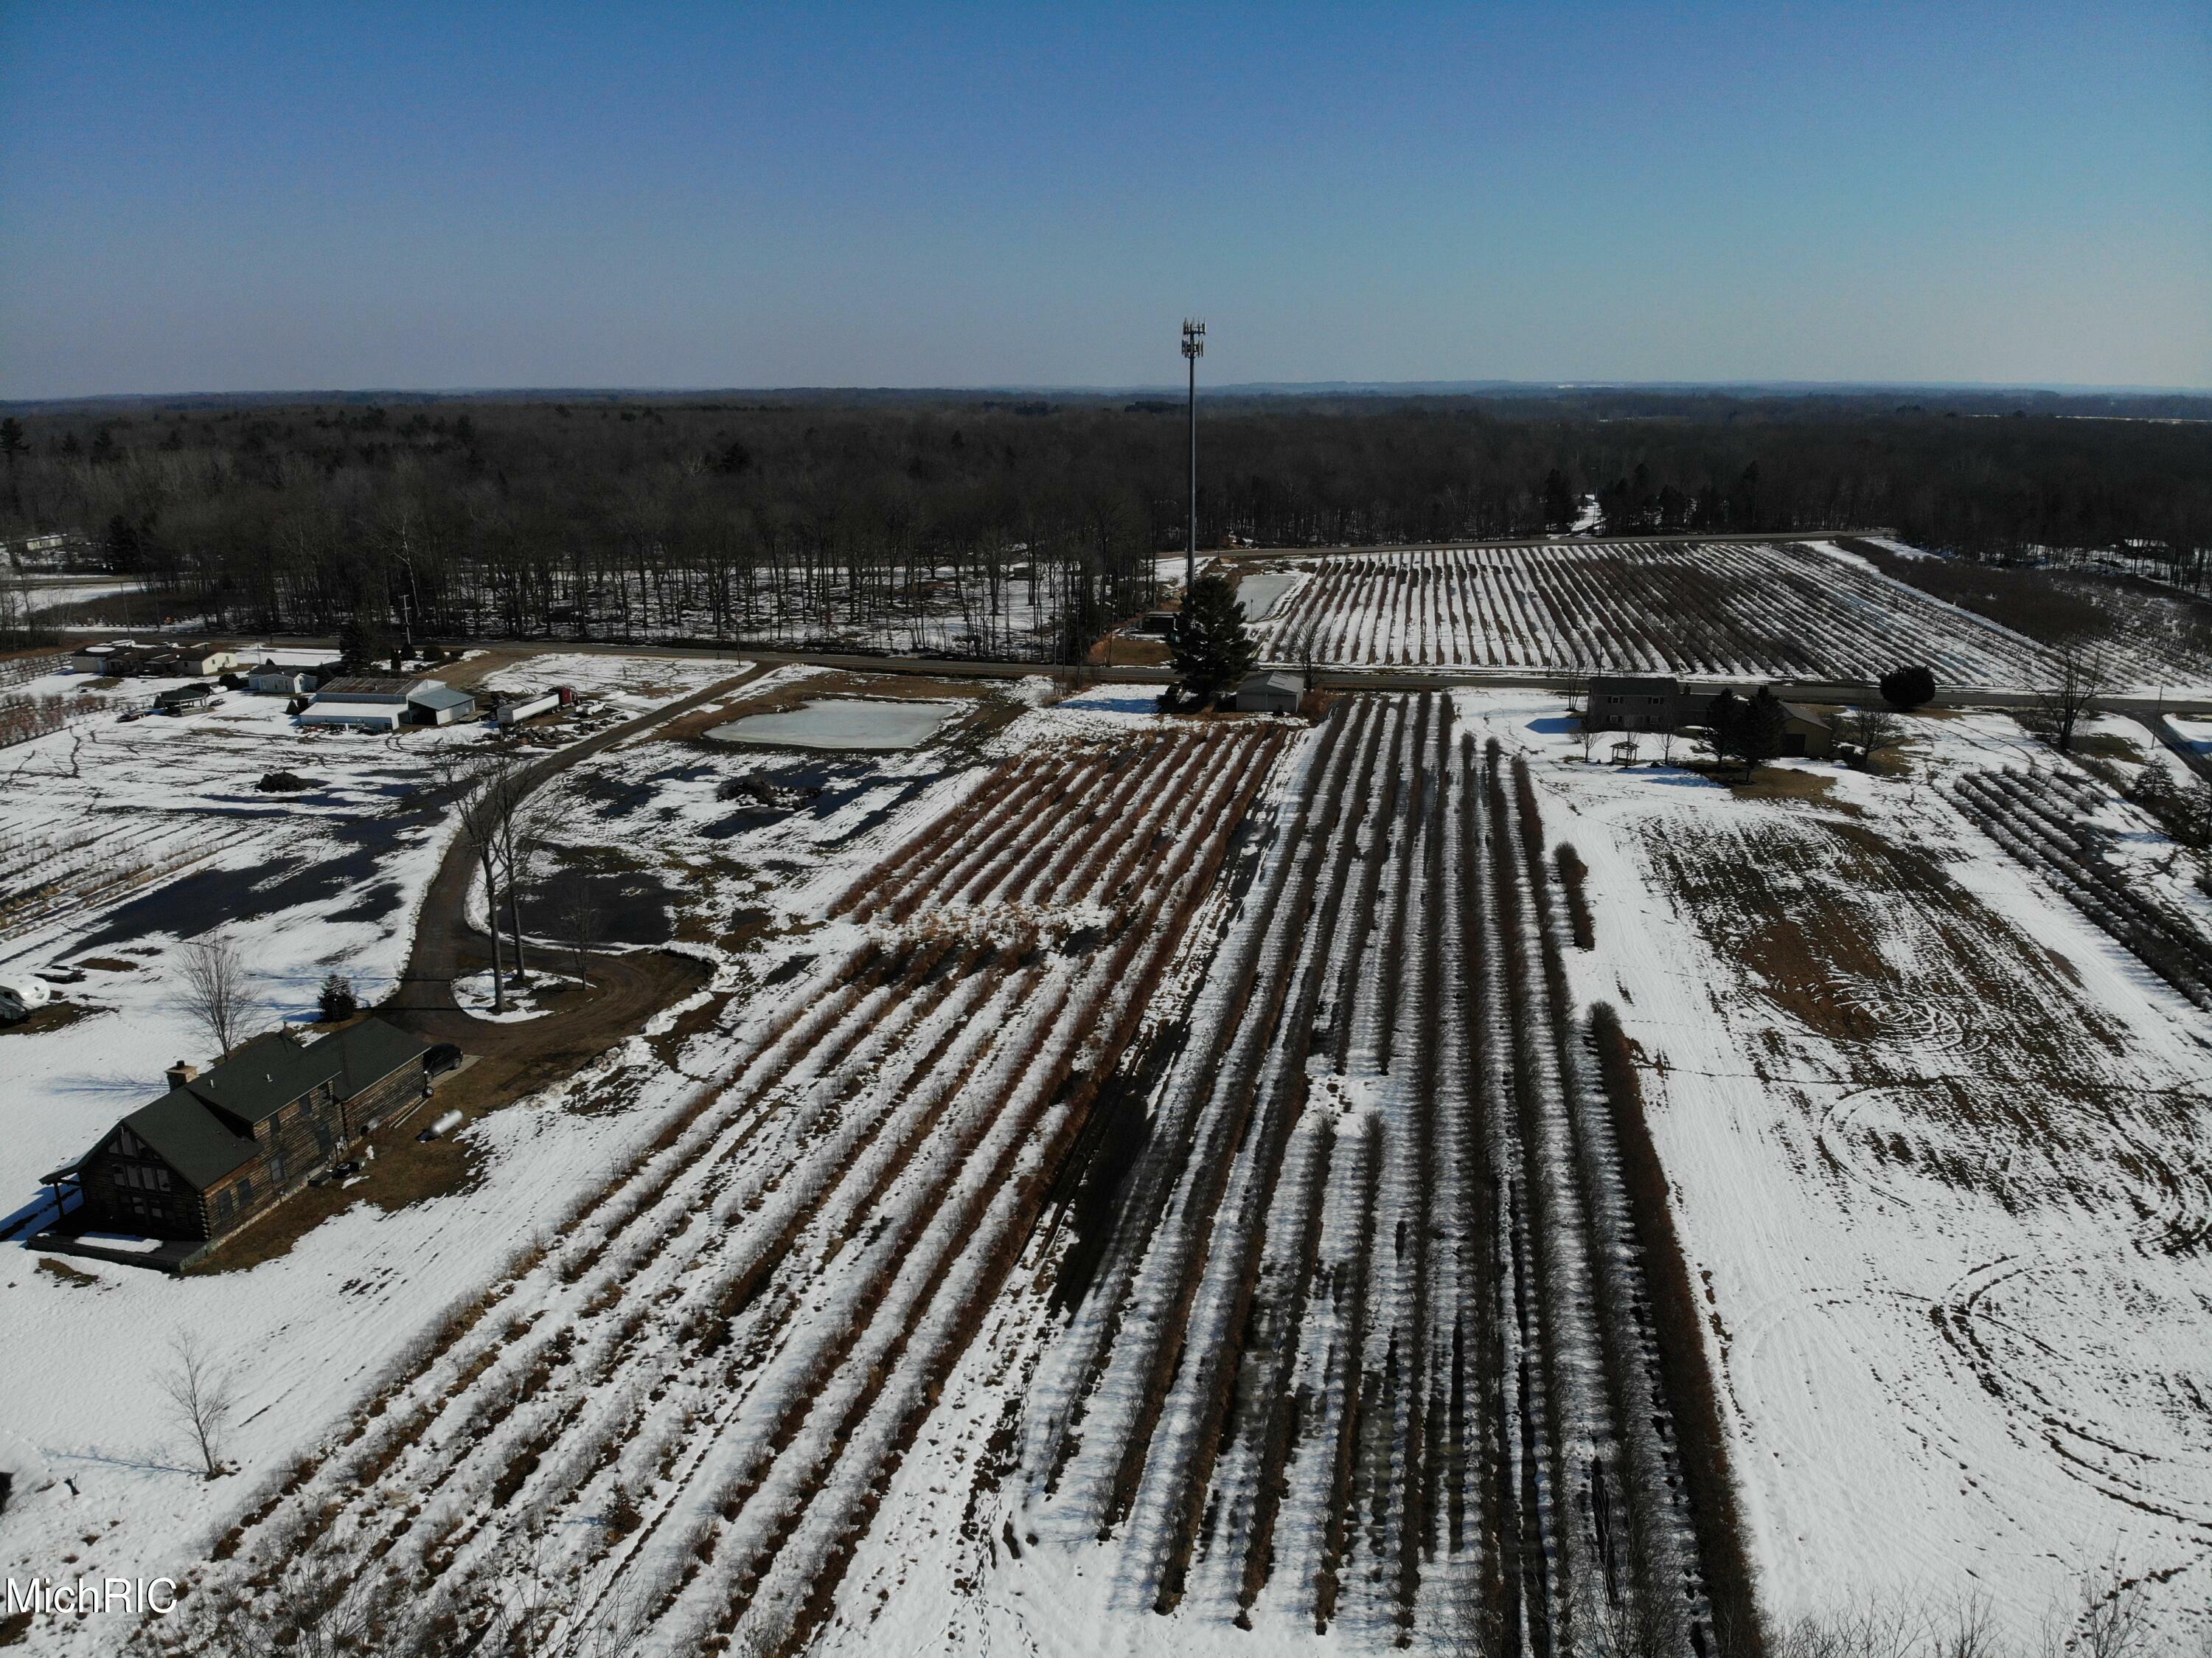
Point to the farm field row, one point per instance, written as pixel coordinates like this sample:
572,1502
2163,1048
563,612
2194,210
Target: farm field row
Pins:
737,1338
1721,610
1367,1350
1228,1185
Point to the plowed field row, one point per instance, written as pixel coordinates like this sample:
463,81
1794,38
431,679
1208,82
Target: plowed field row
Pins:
687,1406
1369,1346
1720,609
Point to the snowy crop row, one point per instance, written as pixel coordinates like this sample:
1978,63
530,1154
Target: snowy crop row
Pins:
1368,1348
1723,610
685,1406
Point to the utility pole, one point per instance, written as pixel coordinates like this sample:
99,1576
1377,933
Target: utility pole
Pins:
1193,347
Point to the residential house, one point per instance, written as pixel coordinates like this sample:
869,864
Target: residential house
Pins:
270,679
223,1145
1635,704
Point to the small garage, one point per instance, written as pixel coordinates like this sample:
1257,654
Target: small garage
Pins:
1274,693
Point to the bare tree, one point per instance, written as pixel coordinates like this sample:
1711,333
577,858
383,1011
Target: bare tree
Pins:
2069,691
215,992
579,920
1871,731
482,788
201,1394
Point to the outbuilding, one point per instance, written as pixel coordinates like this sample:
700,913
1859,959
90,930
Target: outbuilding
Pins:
439,705
1273,693
1807,733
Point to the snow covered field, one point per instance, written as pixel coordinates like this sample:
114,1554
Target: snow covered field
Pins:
1937,1143
120,841
1165,1171
1713,610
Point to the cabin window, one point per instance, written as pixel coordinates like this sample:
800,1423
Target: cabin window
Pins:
223,1206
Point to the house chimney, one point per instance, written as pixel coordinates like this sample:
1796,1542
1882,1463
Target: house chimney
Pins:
181,1073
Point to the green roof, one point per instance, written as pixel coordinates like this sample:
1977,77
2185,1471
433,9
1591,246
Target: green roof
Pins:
190,1138
205,1130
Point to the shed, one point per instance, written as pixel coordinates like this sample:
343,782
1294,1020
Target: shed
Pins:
1807,733
1276,692
438,704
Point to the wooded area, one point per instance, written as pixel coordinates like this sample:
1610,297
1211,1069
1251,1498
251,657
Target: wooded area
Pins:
1012,527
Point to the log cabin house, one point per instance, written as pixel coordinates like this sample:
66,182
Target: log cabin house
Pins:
224,1145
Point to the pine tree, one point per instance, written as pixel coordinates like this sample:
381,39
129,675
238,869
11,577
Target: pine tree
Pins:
1211,650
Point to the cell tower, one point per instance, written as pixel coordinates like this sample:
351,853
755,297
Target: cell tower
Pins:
1193,347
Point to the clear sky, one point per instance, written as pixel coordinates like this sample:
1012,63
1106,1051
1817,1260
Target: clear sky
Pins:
210,197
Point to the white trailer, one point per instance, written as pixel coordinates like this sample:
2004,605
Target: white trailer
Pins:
524,708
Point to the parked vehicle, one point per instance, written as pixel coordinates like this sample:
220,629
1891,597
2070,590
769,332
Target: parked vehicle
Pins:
20,997
443,1057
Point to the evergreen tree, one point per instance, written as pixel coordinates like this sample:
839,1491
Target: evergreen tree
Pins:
1759,735
1211,650
1558,501
1907,687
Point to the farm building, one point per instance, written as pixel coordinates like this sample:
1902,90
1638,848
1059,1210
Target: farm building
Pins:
433,703
94,659
1807,733
364,701
1276,692
223,1145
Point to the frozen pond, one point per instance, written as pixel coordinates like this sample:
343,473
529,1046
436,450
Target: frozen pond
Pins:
1261,593
857,722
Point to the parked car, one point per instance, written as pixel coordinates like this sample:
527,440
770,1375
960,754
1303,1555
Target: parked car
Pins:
443,1057
20,998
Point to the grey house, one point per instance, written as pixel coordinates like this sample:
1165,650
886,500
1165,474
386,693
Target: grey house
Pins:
1635,704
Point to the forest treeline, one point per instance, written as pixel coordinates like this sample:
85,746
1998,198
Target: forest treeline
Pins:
1003,525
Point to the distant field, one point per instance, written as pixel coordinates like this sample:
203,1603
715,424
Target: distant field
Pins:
1715,609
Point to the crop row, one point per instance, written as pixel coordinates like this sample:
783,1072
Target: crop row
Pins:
2042,819
1717,609
1371,1343
733,1341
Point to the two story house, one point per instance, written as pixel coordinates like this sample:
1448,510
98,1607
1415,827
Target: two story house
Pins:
224,1145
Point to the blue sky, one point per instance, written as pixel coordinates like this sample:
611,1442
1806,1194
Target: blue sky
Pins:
209,197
